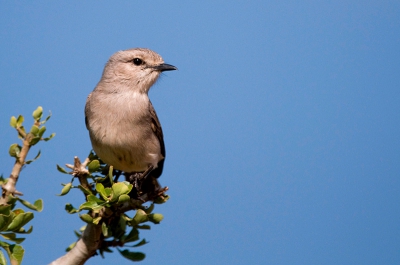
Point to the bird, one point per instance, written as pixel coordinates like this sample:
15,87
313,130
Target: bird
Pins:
123,126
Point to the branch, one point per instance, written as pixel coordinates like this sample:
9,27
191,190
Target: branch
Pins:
10,187
84,249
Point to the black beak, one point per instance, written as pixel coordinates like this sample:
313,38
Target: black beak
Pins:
165,67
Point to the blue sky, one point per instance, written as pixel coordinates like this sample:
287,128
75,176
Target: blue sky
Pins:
281,125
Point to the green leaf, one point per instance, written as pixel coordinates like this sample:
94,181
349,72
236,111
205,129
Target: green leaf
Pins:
78,235
35,130
150,209
5,209
140,217
3,260
13,122
12,237
37,205
21,136
120,188
37,114
132,236
32,160
104,229
70,246
86,218
141,243
51,136
96,220
94,206
123,198
100,189
133,256
19,221
161,199
14,150
17,253
22,230
94,166
85,190
155,217
65,189
93,198
34,140
61,169
47,118
110,174
70,209
5,221
104,192
41,131
20,120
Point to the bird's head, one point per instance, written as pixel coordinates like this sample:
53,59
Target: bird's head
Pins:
138,68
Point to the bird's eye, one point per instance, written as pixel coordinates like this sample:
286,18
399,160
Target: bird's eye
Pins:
137,61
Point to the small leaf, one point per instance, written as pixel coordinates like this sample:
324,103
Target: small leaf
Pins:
51,136
93,198
70,246
150,209
61,169
14,150
20,120
47,118
13,123
37,114
120,188
96,220
34,140
155,217
16,253
34,159
88,205
12,237
70,209
37,205
3,260
41,131
35,130
5,209
110,174
100,189
133,256
132,236
21,135
5,221
19,221
140,217
104,229
161,199
94,166
94,206
65,189
123,198
22,230
141,243
86,218
84,190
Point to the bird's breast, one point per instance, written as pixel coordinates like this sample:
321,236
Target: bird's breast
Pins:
123,137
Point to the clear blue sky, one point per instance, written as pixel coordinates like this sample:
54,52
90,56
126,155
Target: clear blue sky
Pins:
281,125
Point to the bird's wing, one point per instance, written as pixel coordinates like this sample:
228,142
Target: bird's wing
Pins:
86,111
156,127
